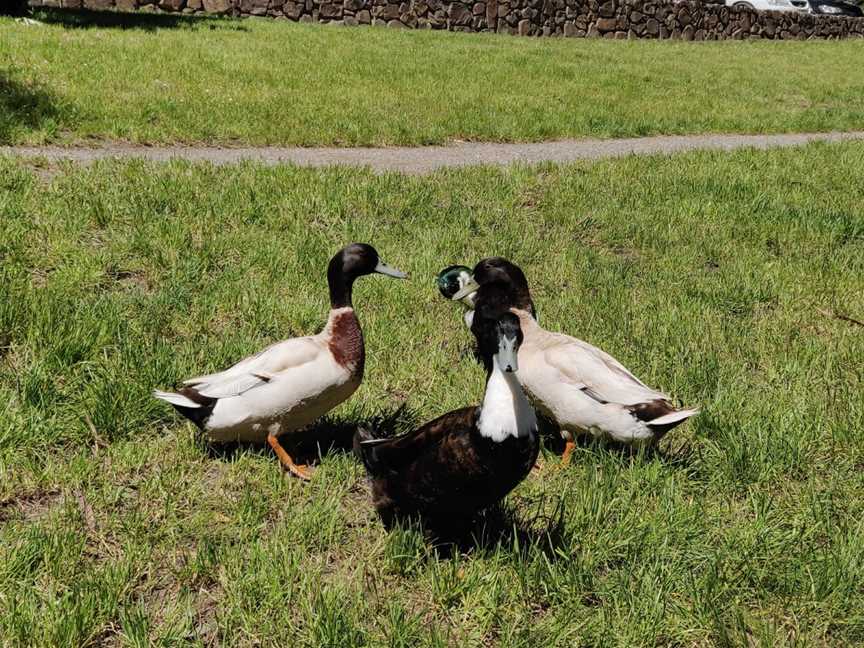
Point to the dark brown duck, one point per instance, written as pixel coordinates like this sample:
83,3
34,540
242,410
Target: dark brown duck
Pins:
455,466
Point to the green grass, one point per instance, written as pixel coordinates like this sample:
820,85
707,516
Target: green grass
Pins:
270,82
707,274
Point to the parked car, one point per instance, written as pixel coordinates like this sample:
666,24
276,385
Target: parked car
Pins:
835,8
771,5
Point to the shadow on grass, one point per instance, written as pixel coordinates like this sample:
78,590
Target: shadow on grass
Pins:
86,18
523,525
324,436
686,458
515,525
23,105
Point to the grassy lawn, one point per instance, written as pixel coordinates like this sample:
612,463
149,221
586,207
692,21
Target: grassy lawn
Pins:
717,277
268,82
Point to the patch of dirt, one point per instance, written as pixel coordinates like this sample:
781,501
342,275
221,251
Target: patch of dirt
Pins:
86,512
108,637
39,276
628,253
131,278
31,506
206,623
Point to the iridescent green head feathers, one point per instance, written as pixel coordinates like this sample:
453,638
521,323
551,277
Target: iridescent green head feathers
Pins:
452,279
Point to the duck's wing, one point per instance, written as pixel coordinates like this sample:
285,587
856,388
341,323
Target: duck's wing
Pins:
390,455
597,373
258,369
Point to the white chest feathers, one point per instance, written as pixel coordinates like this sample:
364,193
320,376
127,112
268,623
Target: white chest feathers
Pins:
506,411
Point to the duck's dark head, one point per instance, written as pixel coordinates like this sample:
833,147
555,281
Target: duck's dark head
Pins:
498,280
352,261
498,341
452,279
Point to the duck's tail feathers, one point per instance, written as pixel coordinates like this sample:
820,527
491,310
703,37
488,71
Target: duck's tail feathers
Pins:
178,400
663,424
189,403
364,448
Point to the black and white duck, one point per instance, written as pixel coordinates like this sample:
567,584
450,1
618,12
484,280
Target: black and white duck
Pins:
465,461
578,386
291,383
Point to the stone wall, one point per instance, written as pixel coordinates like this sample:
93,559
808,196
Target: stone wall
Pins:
688,20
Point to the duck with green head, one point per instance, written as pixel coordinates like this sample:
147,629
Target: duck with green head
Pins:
450,281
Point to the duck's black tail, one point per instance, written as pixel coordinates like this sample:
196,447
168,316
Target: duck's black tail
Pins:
189,403
665,423
661,416
365,444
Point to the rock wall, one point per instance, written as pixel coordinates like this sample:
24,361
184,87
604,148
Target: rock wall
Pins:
687,20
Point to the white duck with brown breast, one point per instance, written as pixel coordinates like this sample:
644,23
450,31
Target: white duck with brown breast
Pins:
292,383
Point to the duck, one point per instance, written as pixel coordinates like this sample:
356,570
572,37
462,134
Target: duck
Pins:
583,389
454,278
465,461
450,281
291,383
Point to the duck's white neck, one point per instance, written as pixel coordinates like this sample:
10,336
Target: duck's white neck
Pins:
506,411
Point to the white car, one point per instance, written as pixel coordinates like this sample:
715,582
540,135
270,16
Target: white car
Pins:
770,5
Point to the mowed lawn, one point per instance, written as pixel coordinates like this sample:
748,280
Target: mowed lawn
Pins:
181,80
721,278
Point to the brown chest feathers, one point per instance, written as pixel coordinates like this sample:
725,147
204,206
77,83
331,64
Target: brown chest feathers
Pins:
346,342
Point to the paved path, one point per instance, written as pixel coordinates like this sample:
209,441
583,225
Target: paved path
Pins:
429,158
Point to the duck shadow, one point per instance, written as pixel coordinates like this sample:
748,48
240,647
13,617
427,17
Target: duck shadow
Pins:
687,454
89,18
687,457
523,525
518,525
325,436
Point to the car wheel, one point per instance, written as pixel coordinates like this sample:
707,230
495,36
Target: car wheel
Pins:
744,5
